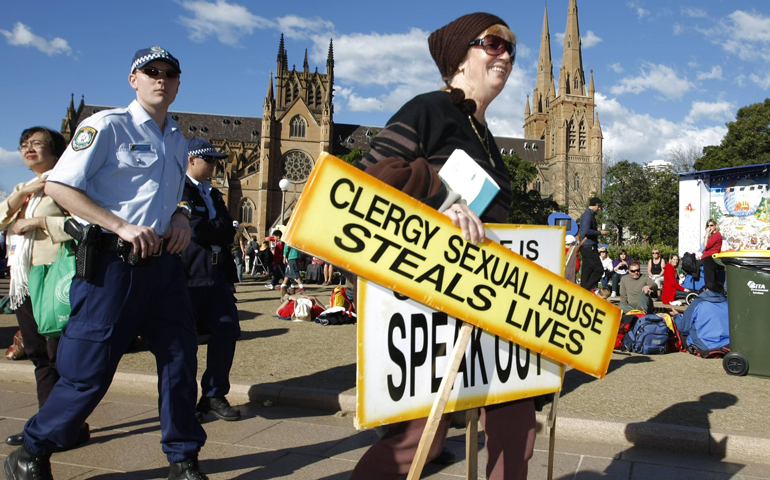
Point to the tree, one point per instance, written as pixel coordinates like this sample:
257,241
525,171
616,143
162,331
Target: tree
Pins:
642,201
747,141
354,155
683,157
527,206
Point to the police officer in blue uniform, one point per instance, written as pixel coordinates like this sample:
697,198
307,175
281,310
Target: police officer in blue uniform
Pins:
124,170
212,274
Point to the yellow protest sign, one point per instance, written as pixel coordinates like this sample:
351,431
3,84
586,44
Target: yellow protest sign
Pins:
353,220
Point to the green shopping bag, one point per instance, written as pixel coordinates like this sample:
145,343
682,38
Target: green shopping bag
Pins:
49,291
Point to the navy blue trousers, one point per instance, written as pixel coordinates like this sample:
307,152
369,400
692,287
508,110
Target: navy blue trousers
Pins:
120,302
215,305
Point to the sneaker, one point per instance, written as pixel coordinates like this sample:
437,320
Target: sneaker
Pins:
300,289
186,470
613,295
269,286
220,407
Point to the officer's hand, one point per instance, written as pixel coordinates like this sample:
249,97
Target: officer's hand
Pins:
178,235
144,239
472,227
605,232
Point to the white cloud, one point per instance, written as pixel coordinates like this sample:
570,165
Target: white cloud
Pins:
693,64
10,158
227,21
711,110
298,27
640,12
740,80
744,34
654,77
589,39
22,36
694,12
642,138
678,28
764,83
615,67
714,74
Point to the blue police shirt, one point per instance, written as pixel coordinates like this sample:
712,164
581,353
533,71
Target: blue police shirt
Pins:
125,164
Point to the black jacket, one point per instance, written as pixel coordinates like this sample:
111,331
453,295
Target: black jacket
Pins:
205,233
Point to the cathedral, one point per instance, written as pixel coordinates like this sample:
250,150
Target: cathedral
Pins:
297,125
566,121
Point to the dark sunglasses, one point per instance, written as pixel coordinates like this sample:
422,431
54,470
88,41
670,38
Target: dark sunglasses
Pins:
208,159
154,72
494,45
634,271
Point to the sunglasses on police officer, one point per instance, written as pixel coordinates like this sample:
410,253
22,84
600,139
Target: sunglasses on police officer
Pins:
208,159
494,46
154,72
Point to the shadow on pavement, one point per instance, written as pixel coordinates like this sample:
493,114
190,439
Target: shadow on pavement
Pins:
343,378
575,378
272,332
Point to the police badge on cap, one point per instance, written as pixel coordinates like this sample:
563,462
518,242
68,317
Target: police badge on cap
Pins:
146,55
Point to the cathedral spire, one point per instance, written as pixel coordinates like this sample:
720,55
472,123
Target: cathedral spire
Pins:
330,60
572,60
282,60
72,103
596,131
270,95
305,66
527,112
544,81
591,89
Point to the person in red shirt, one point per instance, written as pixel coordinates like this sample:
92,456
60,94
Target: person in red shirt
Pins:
278,267
671,287
713,245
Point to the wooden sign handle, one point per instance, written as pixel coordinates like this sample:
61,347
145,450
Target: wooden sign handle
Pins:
440,403
472,444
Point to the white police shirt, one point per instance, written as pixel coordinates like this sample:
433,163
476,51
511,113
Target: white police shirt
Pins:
123,162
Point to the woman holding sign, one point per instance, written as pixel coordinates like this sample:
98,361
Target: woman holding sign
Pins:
475,56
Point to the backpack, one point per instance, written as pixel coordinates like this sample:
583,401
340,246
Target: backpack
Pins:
627,322
690,265
676,342
340,298
648,337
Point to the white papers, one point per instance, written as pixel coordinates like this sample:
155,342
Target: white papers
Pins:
466,177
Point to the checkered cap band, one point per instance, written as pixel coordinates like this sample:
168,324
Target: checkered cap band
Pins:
202,151
145,59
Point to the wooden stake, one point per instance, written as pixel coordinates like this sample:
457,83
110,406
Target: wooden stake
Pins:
552,433
440,403
472,444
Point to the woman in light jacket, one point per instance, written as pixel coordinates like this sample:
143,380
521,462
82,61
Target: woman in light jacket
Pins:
35,227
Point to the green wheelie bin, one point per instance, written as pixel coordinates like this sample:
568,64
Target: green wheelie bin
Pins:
748,290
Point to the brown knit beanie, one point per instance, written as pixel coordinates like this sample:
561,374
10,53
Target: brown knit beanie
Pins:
449,44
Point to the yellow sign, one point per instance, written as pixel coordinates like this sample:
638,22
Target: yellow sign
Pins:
353,220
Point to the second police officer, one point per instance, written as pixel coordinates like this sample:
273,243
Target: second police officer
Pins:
212,273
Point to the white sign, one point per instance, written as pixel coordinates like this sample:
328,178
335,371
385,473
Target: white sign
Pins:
404,346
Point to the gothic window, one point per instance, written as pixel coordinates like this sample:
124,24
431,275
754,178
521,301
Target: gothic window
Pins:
568,84
576,182
582,135
572,140
297,126
287,95
295,90
247,211
537,184
318,95
311,95
576,84
296,166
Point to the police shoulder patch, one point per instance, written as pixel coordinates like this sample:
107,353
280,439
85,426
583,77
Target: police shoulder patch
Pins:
84,138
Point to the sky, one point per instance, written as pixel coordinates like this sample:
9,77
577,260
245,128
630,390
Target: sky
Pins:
667,75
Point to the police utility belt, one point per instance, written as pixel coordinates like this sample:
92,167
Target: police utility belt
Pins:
93,241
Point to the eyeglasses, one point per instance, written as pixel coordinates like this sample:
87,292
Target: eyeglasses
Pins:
494,45
154,72
711,225
656,253
34,144
208,159
633,271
